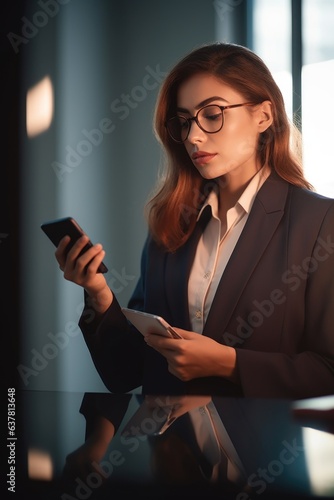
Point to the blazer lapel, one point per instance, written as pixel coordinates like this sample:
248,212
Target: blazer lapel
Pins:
266,213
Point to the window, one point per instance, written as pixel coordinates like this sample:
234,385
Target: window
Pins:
317,93
273,40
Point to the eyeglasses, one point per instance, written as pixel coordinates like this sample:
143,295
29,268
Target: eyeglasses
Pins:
210,119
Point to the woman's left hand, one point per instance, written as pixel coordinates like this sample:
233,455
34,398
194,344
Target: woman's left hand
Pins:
195,355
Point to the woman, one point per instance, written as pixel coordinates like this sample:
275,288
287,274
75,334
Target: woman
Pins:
239,256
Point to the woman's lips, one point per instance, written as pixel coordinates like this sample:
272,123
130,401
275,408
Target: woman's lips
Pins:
202,157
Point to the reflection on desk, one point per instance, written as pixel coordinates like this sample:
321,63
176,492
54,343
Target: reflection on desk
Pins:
97,445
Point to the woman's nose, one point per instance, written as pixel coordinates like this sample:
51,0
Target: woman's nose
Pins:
195,133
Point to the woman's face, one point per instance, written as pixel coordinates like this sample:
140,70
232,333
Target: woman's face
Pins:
232,150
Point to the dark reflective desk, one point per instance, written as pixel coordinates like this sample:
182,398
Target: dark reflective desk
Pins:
86,446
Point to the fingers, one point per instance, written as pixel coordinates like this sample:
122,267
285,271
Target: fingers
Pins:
89,264
158,341
166,346
60,252
92,256
185,334
71,261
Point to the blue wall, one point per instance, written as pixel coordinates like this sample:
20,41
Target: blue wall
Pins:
106,60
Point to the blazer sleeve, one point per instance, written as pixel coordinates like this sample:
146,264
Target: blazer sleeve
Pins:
116,347
310,372
110,406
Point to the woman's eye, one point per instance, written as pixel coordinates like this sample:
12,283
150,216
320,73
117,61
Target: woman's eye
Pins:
213,117
183,124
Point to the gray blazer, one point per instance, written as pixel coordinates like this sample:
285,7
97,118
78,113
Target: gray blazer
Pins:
274,304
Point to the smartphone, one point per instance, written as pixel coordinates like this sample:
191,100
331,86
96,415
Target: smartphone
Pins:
150,323
57,229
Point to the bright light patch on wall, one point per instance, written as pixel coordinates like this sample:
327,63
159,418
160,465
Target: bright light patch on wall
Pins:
319,447
39,465
39,107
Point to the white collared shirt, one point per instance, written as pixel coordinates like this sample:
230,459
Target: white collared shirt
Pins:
215,443
215,248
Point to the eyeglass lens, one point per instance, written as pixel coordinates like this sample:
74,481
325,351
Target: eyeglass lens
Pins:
210,119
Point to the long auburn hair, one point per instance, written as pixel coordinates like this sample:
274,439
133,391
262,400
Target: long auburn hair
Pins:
173,208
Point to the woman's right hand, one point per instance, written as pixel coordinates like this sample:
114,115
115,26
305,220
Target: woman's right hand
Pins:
82,270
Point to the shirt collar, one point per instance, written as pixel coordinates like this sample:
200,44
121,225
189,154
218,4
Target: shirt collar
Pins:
247,197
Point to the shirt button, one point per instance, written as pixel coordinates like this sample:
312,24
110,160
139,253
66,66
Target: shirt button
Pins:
207,275
198,314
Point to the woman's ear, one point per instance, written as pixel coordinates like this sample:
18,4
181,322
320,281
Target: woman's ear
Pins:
265,117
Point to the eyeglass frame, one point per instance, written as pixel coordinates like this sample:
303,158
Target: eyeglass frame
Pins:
194,118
